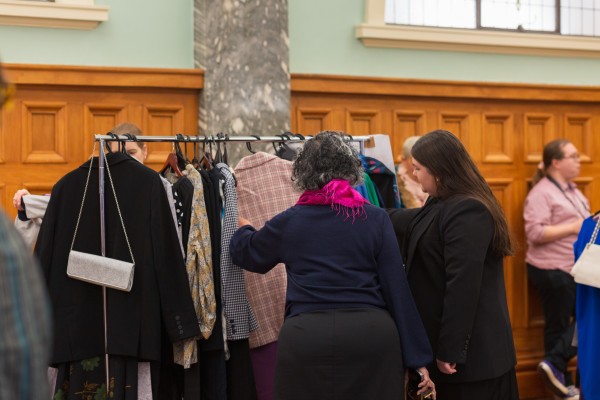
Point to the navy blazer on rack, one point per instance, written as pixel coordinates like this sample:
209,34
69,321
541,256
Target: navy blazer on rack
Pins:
160,288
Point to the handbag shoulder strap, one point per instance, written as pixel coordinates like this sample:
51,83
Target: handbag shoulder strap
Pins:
87,181
595,234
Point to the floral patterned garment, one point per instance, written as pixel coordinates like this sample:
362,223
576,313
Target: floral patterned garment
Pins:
200,274
86,379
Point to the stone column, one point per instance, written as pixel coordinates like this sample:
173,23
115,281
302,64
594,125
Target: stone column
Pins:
243,47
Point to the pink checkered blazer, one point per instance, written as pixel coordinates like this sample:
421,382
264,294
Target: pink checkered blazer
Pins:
264,189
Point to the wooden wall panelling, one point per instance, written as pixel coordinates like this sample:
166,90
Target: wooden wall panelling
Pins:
38,187
3,194
577,128
497,138
101,118
456,122
58,109
538,130
44,132
363,122
2,136
406,123
314,120
505,136
160,120
502,189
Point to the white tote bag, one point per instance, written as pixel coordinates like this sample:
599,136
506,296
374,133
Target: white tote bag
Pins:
586,270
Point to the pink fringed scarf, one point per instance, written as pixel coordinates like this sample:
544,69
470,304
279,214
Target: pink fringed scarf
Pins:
342,197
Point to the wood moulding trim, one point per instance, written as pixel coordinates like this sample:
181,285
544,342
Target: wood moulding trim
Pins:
341,84
64,75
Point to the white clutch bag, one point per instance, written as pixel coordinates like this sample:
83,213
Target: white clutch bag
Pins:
96,269
586,270
103,271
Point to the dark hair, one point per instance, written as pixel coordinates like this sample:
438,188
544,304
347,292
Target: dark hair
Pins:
128,128
327,156
456,173
552,151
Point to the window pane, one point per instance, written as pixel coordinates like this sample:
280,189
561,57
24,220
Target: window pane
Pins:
530,15
441,13
577,17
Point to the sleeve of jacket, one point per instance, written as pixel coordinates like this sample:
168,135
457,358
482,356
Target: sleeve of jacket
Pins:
400,218
416,349
44,242
467,230
256,250
177,307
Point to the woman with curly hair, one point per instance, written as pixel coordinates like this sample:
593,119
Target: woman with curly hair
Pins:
351,326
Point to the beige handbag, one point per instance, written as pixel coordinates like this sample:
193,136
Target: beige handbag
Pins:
586,270
96,269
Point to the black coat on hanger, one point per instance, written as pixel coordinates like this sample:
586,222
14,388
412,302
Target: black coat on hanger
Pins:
160,288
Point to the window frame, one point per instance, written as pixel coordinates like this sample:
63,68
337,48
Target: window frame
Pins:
374,32
68,14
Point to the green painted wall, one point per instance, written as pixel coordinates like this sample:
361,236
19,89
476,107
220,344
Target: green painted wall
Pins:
138,33
157,33
322,41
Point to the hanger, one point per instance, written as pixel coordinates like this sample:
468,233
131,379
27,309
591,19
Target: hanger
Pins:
107,142
284,151
181,158
171,163
219,154
225,150
206,159
249,146
278,145
131,137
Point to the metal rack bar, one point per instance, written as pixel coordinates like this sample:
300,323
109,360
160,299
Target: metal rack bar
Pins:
194,138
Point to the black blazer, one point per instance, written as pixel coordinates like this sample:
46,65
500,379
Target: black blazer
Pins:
160,285
458,286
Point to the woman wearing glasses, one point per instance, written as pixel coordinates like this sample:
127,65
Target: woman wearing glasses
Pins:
554,211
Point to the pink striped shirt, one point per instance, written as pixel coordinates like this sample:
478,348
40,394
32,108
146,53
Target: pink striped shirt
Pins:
547,205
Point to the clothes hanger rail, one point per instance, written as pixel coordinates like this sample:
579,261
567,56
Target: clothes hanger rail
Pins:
244,139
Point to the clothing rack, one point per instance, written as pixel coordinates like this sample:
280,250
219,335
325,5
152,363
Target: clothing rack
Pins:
284,138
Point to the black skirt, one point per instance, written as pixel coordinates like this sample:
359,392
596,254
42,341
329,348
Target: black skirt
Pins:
340,354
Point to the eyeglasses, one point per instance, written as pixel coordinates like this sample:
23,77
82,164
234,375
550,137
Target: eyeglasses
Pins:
575,156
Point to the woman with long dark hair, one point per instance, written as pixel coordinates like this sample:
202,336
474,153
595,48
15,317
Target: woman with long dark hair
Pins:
351,326
454,248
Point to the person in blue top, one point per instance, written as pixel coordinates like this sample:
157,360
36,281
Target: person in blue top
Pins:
351,326
588,322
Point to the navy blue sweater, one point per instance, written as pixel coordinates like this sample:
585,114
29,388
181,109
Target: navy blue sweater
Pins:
335,262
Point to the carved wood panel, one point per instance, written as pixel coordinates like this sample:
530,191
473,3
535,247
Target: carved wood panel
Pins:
101,119
497,138
161,120
407,123
313,120
457,123
538,130
578,129
57,111
44,132
363,122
